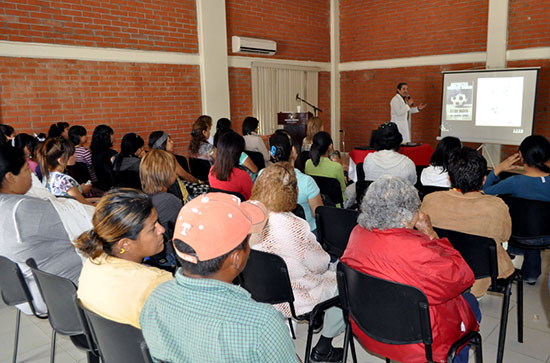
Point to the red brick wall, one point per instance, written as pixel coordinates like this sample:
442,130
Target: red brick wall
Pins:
300,28
151,25
130,97
528,24
240,94
365,100
381,29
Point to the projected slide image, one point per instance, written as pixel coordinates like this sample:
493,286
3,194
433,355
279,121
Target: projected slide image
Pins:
459,101
499,101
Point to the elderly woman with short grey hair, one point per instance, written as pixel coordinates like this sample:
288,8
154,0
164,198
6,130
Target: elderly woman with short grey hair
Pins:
395,241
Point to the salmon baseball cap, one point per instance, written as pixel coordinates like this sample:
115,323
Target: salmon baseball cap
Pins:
215,223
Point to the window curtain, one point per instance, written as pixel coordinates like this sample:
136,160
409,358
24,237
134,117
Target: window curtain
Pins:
274,89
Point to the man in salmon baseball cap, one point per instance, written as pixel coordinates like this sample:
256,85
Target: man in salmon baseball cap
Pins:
200,316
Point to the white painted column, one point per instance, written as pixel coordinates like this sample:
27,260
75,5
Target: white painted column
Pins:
214,74
335,72
497,39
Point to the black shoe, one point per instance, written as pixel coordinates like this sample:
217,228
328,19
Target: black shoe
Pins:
334,355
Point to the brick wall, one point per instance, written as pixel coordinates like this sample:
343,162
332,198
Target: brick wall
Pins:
150,25
366,95
300,28
528,24
381,29
129,97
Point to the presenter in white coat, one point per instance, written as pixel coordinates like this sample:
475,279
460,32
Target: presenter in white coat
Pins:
402,106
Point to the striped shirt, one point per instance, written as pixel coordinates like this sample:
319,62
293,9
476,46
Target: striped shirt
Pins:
206,320
84,155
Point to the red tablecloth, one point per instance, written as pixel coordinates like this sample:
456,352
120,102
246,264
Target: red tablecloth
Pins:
420,155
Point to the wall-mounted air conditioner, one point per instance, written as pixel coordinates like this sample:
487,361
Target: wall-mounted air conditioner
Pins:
253,45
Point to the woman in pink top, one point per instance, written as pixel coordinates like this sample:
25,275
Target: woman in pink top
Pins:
226,173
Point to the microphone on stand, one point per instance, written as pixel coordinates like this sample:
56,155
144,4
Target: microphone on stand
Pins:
297,96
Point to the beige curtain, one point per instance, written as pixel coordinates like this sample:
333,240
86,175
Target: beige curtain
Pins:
274,89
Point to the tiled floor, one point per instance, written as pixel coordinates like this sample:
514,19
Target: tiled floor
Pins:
34,343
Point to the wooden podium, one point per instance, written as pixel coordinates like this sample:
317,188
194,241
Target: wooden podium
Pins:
295,124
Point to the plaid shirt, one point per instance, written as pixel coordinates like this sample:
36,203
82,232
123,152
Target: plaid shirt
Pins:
206,320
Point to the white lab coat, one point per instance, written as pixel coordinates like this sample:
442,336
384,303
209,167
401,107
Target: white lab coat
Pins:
401,116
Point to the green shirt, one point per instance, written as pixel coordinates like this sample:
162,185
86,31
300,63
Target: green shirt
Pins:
206,320
328,169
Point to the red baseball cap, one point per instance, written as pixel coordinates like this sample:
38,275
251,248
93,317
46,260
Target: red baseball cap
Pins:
215,223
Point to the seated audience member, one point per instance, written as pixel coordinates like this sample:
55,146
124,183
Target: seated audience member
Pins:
244,160
385,244
131,152
290,237
29,145
77,135
223,125
534,183
54,155
199,147
103,156
31,227
114,283
320,164
436,174
309,195
201,316
251,138
157,174
59,129
466,209
226,173
386,160
314,125
160,140
7,134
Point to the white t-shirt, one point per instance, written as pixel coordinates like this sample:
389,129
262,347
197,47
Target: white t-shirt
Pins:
389,162
435,176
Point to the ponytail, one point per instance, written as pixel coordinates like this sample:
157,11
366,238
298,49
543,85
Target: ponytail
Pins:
543,167
535,151
320,146
91,245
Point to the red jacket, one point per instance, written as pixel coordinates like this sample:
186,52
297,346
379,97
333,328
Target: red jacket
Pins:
409,257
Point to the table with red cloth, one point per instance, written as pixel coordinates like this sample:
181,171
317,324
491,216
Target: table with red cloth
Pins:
420,155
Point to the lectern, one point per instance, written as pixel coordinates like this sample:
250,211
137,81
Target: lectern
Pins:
295,123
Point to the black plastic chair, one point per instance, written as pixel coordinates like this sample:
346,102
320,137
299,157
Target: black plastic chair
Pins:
361,187
424,190
266,278
481,255
330,190
360,171
14,291
299,211
257,158
117,343
79,171
237,194
182,160
199,168
63,313
530,220
127,179
334,226
390,313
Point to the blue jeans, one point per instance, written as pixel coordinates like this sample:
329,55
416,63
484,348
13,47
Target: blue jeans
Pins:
462,356
530,268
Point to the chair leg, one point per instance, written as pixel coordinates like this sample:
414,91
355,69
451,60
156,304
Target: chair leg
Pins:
346,342
92,358
309,338
52,349
291,328
520,308
352,346
16,343
479,350
504,321
388,360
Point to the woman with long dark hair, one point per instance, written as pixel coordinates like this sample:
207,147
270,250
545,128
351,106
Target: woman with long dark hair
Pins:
436,174
226,173
199,147
59,129
534,183
131,152
77,135
253,142
320,164
103,156
29,145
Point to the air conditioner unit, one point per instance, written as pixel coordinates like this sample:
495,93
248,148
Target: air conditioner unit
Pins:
253,45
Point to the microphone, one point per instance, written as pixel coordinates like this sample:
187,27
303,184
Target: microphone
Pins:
297,96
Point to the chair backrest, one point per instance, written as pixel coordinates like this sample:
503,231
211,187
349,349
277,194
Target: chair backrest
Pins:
182,160
386,311
127,179
334,226
361,187
266,278
79,171
299,211
237,194
58,295
257,158
530,218
117,343
479,252
329,187
199,168
424,190
13,285
360,171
